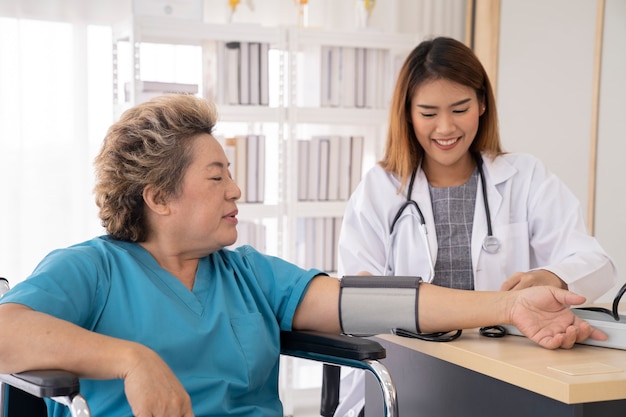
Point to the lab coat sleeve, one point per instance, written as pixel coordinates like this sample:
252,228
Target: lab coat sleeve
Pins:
362,245
560,242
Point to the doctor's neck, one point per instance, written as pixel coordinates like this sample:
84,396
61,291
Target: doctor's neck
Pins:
442,172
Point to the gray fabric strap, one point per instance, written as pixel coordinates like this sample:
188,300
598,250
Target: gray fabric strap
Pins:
370,305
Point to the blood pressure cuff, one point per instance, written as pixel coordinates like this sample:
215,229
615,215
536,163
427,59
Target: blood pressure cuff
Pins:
370,305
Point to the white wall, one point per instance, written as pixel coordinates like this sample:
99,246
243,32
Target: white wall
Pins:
545,97
545,73
610,218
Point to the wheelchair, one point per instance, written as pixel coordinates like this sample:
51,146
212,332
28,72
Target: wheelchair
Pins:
22,394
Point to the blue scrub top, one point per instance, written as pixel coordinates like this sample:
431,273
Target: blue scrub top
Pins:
222,339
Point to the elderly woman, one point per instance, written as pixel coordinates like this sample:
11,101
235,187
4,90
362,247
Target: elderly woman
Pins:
158,319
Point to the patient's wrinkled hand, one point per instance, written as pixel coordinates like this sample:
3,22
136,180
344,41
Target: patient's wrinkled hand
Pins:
152,389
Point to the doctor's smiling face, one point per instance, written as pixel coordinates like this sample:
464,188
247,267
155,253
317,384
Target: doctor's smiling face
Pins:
445,117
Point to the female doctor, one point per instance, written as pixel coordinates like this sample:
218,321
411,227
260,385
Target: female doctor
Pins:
447,204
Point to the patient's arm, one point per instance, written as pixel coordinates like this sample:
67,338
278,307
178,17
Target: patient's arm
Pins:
30,340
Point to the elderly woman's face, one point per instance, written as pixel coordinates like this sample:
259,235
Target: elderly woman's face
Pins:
204,215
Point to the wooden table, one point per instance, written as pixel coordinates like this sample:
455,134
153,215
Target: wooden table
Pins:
476,376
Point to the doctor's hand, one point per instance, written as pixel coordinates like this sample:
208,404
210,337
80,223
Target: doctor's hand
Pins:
534,278
543,315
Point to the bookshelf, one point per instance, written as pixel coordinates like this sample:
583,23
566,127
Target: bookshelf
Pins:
311,115
295,110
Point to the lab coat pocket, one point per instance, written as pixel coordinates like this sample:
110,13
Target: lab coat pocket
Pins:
513,255
515,247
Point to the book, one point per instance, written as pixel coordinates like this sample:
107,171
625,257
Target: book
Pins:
314,169
329,244
309,243
348,80
345,156
165,87
261,169
337,232
241,157
231,72
373,80
318,242
303,169
325,60
301,243
230,149
213,74
356,162
335,76
252,151
323,169
244,73
360,77
334,167
254,51
264,89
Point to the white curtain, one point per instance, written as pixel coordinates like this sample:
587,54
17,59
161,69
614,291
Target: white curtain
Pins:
55,106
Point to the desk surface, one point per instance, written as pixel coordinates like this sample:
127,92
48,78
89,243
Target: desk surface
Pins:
521,362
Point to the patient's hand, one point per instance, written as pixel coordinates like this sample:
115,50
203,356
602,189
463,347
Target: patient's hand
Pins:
152,389
543,315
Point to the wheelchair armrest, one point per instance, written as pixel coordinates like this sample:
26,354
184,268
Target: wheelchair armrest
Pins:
327,344
44,384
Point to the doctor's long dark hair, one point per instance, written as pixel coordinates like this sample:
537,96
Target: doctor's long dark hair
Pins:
438,58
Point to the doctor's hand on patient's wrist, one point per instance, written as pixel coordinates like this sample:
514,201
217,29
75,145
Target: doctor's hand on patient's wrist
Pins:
520,280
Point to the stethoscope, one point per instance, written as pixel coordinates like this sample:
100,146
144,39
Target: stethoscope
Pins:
491,244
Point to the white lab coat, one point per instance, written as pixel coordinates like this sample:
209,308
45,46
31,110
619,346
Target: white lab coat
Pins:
536,218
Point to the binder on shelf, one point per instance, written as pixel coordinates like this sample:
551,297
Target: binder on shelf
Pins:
230,149
165,87
303,169
324,147
244,73
314,169
337,231
231,72
254,74
348,80
334,167
345,163
213,71
373,78
360,77
264,89
325,71
310,259
261,170
241,158
319,242
335,76
328,243
252,150
357,162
